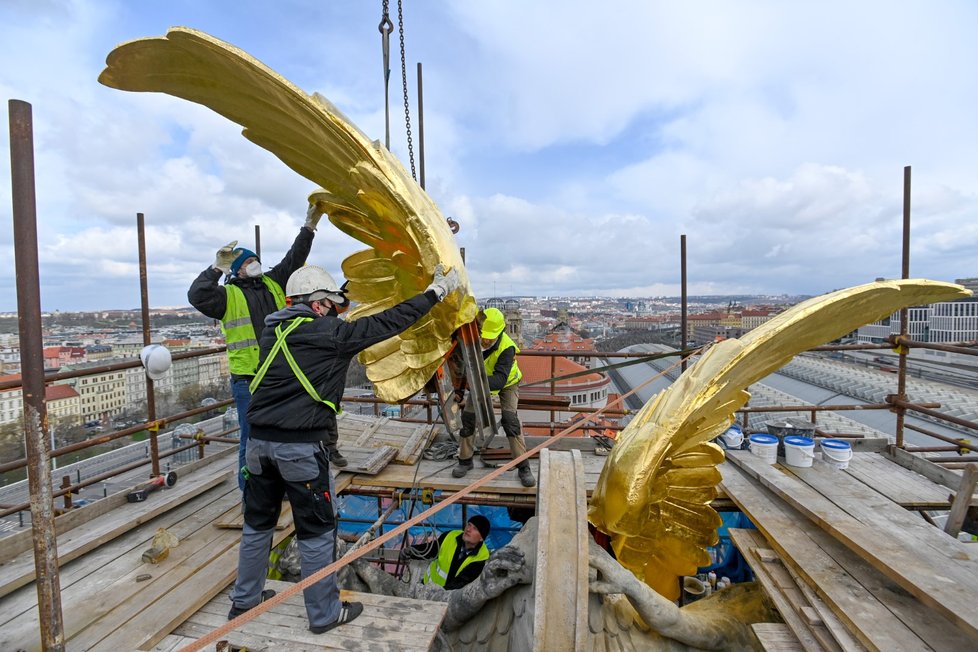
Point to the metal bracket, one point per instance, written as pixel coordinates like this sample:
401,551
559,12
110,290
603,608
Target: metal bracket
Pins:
478,384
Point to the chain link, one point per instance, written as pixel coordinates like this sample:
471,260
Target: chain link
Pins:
407,105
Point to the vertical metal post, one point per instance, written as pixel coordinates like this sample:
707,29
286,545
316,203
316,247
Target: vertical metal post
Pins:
553,392
682,281
904,313
154,446
420,126
32,370
258,240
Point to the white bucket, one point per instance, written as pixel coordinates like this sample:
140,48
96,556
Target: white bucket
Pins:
836,453
799,451
733,437
764,447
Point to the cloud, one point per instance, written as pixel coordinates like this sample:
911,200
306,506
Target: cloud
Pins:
574,142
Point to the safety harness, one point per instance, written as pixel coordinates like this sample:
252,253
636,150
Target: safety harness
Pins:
282,345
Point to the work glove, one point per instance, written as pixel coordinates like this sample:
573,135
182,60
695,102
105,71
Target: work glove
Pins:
444,284
225,256
313,215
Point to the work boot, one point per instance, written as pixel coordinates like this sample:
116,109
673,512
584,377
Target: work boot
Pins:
463,467
526,476
336,459
236,611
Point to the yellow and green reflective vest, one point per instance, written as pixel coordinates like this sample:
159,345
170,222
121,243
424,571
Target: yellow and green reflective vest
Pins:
239,334
438,569
505,342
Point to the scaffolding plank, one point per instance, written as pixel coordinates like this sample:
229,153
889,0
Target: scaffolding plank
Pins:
800,545
90,535
776,637
903,486
387,623
939,580
812,633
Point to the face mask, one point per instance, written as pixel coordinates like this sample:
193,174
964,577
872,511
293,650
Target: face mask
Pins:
253,269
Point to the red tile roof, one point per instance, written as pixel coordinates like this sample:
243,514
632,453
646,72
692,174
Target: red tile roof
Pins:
536,368
58,392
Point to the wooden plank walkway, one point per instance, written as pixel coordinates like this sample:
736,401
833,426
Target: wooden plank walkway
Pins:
895,581
132,611
387,623
77,537
437,475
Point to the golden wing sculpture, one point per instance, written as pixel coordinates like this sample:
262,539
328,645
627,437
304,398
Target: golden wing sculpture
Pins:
366,191
653,496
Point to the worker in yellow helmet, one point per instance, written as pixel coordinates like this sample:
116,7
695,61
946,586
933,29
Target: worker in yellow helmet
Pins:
499,353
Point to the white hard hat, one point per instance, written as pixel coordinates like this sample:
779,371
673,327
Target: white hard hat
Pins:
306,281
156,360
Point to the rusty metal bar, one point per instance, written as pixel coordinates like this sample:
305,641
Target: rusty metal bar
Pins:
960,347
958,443
16,464
933,449
904,312
154,446
420,127
553,390
13,509
953,460
683,324
918,407
824,408
32,370
113,366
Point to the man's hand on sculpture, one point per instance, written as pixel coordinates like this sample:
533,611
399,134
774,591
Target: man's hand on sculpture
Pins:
313,215
225,256
506,568
444,284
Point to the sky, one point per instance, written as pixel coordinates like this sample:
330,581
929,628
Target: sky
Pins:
573,141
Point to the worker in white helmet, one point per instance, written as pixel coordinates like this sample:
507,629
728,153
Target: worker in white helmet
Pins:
305,352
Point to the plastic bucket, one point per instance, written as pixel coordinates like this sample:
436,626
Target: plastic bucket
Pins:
764,447
733,437
799,451
836,453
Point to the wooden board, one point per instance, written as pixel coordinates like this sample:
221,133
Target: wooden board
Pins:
87,536
877,612
17,543
772,637
904,487
944,582
437,475
364,431
367,460
387,623
86,575
788,595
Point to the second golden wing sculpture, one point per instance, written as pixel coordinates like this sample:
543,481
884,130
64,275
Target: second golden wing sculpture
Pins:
654,493
366,191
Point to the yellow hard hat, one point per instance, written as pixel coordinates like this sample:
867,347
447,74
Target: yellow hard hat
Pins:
494,324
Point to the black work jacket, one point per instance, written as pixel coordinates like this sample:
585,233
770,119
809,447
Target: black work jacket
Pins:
281,409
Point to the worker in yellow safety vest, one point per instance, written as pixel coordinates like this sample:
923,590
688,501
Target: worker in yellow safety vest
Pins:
499,354
248,295
461,555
